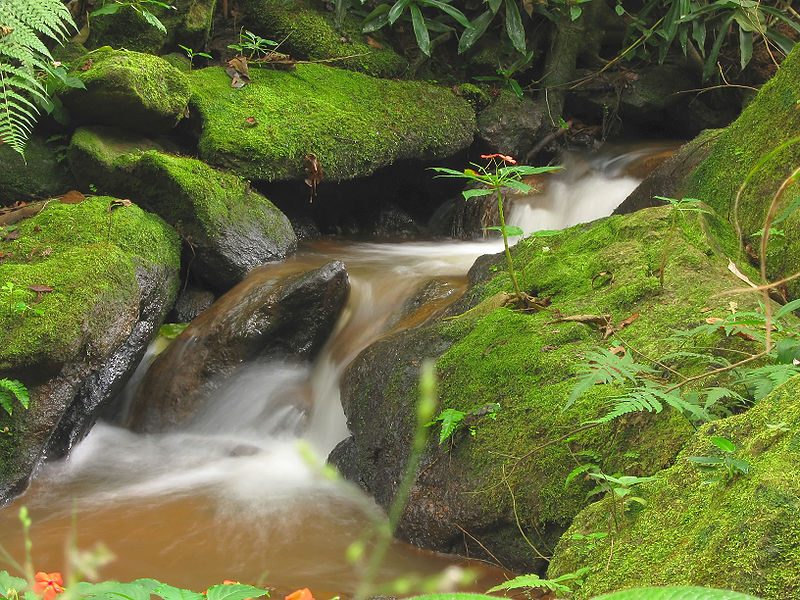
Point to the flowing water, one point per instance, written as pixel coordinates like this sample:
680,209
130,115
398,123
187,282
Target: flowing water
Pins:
234,495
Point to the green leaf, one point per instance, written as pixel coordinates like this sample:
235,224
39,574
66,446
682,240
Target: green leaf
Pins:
110,8
420,30
723,444
574,12
518,185
745,47
788,350
514,28
711,61
376,19
619,9
515,87
153,20
237,591
8,583
472,35
705,460
397,10
787,308
450,419
509,229
450,10
476,192
114,590
169,592
530,581
494,5
172,330
675,593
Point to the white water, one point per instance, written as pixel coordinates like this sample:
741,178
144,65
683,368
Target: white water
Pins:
233,494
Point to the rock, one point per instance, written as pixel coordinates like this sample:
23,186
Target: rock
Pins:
188,25
767,131
527,363
510,125
135,91
260,317
740,535
669,180
309,34
229,227
39,175
190,303
115,275
353,123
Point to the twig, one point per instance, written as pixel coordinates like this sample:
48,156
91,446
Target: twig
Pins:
516,518
485,549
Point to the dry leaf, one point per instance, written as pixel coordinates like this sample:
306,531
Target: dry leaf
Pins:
608,274
735,270
251,121
40,290
313,174
11,235
617,350
5,30
599,320
119,204
87,65
373,43
72,197
625,322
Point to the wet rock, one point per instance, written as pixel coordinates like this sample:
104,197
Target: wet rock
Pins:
115,275
41,174
228,227
135,91
510,125
739,534
527,363
191,302
260,317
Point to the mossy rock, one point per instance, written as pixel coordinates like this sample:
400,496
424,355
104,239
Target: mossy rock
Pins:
527,363
115,275
761,148
189,24
230,227
353,123
742,534
135,91
40,174
307,31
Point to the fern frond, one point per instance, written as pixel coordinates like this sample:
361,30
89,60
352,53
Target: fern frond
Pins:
649,398
762,380
48,17
9,388
605,367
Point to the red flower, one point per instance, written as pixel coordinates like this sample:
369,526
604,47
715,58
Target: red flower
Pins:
304,594
48,584
504,157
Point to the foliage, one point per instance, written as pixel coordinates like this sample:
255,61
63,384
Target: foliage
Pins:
22,57
675,593
504,76
10,389
190,53
678,206
111,7
252,43
556,585
12,303
707,24
451,419
729,466
502,171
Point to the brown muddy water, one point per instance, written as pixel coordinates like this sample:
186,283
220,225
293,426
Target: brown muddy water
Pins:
235,494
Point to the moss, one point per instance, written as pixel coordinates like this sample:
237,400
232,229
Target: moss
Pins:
309,33
128,89
474,95
741,535
67,247
771,120
355,124
39,175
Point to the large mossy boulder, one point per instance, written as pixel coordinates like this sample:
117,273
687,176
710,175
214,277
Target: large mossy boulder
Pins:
742,534
40,174
511,473
755,154
189,24
114,275
135,91
230,227
353,123
307,31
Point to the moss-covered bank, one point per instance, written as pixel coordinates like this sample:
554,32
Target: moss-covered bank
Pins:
353,123
526,362
742,534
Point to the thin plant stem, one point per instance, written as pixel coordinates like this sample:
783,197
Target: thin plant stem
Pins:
505,244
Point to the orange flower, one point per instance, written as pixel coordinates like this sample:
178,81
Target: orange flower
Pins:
48,584
504,157
304,594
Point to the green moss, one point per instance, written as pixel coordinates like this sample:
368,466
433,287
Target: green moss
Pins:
39,175
309,33
355,124
771,120
128,89
66,247
741,535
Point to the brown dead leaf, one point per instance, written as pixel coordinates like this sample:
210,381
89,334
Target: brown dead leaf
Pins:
625,322
599,320
72,197
47,251
119,204
87,65
313,174
251,121
238,71
617,350
705,309
40,290
373,43
607,274
11,235
548,348
5,30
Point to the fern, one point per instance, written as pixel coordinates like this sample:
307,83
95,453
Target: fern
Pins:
650,398
23,55
605,367
762,380
10,388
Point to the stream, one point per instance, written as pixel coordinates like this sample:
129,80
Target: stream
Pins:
235,494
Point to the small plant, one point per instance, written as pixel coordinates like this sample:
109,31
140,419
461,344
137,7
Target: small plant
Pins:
558,585
190,53
502,171
11,300
114,6
452,419
505,77
254,44
727,467
10,389
678,206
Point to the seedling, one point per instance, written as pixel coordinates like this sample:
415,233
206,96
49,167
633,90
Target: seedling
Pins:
727,467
